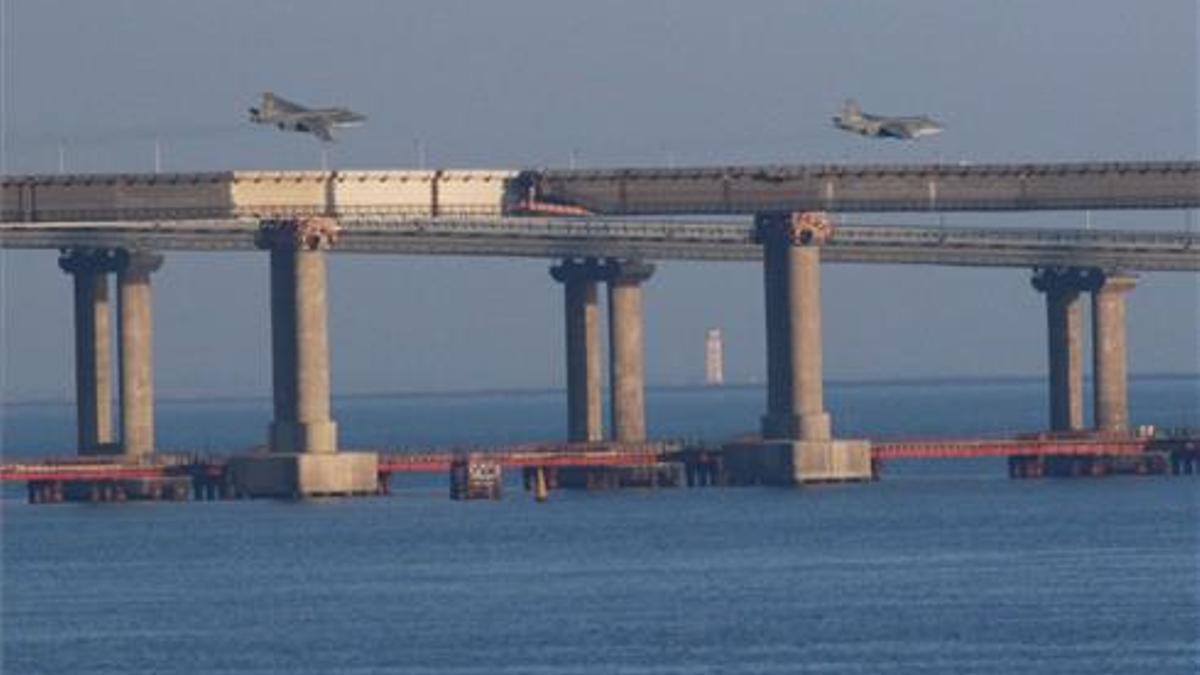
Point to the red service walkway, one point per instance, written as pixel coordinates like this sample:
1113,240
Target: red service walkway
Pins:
558,455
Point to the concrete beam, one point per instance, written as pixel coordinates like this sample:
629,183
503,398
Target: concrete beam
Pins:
136,330
581,309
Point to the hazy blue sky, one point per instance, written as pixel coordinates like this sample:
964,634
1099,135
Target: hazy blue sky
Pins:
528,83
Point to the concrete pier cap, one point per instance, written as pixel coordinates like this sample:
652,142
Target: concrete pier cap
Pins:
797,437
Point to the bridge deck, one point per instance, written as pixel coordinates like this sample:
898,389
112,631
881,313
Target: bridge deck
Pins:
648,239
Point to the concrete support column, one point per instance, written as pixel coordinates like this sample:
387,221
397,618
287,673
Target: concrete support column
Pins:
135,328
1109,352
627,380
792,286
304,460
93,348
299,335
1064,332
584,407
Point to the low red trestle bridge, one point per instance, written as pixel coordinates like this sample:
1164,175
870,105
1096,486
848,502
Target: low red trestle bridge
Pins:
178,475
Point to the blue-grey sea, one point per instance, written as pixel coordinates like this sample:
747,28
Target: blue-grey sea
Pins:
941,567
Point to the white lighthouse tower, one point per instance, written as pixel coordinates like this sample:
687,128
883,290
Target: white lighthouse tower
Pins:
714,362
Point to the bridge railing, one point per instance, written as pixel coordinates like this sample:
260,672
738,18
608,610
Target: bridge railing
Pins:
1025,236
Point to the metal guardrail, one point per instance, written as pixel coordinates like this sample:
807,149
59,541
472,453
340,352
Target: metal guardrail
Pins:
884,169
1006,448
161,214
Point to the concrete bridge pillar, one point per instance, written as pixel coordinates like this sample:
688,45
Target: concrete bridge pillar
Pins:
792,285
299,336
1109,361
627,380
797,443
584,407
1064,328
93,348
304,460
135,328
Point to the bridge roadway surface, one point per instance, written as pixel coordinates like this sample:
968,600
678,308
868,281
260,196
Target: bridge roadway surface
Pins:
549,237
589,455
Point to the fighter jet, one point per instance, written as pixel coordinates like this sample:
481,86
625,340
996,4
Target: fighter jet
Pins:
853,119
289,116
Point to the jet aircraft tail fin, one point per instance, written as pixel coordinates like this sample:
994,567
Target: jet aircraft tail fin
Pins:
851,109
268,106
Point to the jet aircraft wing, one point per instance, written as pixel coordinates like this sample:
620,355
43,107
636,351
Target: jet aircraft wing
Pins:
346,117
317,125
897,129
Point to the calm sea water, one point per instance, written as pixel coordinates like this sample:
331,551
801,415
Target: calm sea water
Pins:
942,567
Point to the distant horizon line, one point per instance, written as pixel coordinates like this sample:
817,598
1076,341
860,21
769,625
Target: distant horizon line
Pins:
539,390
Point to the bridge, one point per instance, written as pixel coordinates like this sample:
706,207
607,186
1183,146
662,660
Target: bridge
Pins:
723,190
601,227
608,237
